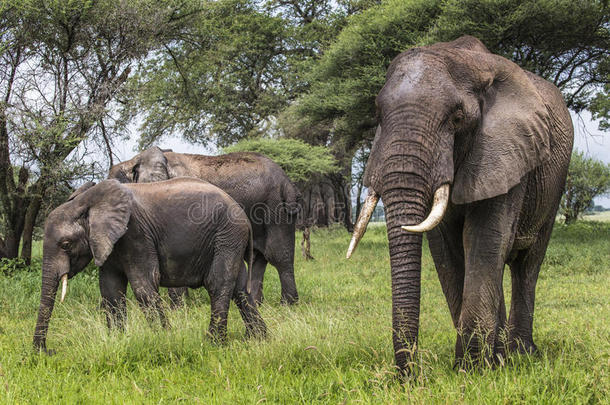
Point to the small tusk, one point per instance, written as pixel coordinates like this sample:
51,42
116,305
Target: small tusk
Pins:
441,200
363,219
64,287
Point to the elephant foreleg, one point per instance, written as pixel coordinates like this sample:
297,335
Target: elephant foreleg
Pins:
113,287
447,250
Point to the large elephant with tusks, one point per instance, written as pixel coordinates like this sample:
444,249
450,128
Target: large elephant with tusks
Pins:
473,150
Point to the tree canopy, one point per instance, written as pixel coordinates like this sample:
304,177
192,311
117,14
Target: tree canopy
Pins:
63,65
564,41
299,160
587,178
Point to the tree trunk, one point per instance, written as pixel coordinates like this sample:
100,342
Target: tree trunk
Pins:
28,228
306,244
359,198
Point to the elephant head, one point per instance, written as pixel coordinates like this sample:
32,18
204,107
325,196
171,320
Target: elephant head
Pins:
455,122
87,226
146,167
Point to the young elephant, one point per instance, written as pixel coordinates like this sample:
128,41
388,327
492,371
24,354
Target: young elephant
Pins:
180,232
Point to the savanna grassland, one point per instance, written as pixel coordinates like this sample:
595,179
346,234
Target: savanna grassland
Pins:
334,347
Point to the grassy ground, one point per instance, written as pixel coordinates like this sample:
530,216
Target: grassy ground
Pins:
598,216
334,347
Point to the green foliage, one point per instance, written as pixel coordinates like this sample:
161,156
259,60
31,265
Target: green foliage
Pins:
564,41
299,160
8,267
334,347
233,70
64,64
587,178
600,108
220,81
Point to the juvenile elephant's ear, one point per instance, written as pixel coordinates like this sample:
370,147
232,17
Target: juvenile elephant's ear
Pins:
81,190
109,212
513,137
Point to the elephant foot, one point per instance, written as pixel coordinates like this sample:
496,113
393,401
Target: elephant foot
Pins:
258,297
523,346
177,296
48,352
474,352
289,299
256,332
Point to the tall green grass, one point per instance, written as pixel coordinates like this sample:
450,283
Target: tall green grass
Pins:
334,347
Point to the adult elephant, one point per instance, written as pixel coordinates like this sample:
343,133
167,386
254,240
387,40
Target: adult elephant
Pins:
257,183
473,150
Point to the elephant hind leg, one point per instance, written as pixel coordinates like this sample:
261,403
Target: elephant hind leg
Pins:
255,326
524,274
279,252
144,279
258,274
220,283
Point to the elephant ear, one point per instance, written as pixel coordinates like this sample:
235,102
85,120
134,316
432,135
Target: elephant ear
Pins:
81,190
109,207
513,137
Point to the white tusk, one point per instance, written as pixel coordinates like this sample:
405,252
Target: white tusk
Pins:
441,200
363,219
64,287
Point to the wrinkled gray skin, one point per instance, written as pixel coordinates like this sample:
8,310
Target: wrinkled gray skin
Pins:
453,113
257,183
180,232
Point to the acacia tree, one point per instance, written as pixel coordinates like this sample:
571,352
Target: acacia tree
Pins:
232,73
63,63
587,178
564,41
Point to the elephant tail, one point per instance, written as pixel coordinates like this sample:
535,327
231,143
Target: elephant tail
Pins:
249,257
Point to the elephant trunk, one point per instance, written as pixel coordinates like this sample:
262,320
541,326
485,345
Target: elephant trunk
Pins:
50,284
405,257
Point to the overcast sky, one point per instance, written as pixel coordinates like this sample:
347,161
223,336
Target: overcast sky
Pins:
587,138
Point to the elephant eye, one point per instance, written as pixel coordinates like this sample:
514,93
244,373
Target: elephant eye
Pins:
66,244
458,117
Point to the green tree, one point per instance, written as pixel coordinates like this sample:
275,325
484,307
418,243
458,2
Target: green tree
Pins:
63,64
587,178
564,41
298,159
235,68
